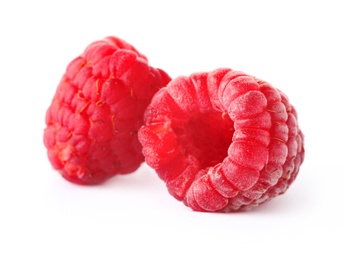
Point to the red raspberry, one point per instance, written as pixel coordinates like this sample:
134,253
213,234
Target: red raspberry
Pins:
97,109
222,141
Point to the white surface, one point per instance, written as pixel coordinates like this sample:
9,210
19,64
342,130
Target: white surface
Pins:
295,45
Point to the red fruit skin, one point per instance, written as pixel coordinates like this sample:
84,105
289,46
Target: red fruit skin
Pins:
93,120
222,141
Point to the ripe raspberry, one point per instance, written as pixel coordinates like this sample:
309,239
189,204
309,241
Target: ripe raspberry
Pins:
222,141
97,109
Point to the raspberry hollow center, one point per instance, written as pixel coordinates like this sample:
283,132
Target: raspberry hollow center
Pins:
206,137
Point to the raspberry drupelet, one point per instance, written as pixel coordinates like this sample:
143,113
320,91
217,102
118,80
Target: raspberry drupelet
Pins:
92,122
222,141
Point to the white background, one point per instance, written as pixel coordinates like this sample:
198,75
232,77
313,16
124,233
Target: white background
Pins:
295,45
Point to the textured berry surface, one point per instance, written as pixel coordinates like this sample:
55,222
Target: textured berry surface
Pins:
222,141
98,107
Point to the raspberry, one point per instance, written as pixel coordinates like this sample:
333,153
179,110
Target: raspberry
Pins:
222,141
98,107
